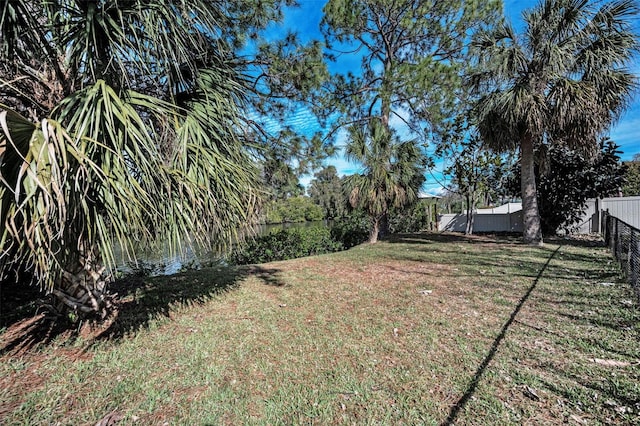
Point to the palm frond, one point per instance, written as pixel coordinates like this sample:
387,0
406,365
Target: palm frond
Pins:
571,80
97,174
393,170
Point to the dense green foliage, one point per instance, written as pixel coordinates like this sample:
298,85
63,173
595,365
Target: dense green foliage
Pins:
326,191
352,229
280,179
631,186
413,218
569,180
293,210
563,81
286,244
342,233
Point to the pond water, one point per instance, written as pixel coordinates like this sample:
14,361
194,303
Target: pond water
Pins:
162,262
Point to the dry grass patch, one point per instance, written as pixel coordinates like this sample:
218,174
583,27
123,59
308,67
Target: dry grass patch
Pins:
421,329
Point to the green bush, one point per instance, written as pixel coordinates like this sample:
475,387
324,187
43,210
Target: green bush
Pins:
286,244
313,213
351,230
411,219
273,216
294,210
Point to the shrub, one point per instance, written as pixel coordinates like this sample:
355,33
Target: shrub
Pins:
313,213
293,210
286,244
274,216
411,219
351,230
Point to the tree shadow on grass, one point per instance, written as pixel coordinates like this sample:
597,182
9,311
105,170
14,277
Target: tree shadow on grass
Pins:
490,238
454,237
471,389
138,301
18,301
456,242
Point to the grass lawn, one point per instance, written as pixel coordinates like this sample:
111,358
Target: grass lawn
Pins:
420,329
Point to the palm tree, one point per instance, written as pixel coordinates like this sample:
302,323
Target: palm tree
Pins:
393,172
563,81
118,127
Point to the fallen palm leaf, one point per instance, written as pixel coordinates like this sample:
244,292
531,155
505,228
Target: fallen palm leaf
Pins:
613,363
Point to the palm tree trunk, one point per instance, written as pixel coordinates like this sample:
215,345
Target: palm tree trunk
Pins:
82,290
532,233
375,230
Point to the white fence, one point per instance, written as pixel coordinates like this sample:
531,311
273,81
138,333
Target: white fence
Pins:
508,218
627,209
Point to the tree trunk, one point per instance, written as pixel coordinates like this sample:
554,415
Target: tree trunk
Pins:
532,233
375,230
470,217
81,291
470,206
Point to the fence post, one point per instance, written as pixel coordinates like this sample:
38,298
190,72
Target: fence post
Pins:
631,258
636,270
616,237
598,214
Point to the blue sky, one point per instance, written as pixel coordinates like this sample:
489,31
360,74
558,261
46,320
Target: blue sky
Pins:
305,21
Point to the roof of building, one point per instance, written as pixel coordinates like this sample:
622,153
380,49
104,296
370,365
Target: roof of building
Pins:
426,195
